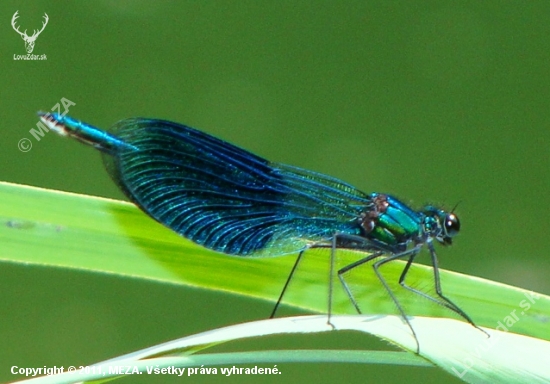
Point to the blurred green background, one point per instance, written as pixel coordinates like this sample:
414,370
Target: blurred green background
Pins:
433,101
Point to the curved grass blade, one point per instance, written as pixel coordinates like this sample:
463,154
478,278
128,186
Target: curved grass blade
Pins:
51,228
452,345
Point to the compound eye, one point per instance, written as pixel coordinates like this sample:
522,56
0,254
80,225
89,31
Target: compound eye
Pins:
452,225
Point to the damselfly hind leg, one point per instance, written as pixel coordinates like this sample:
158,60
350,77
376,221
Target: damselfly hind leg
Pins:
287,283
291,275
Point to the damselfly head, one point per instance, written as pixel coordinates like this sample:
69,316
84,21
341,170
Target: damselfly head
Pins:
441,225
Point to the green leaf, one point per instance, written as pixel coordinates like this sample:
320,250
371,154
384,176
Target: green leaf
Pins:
52,228
450,344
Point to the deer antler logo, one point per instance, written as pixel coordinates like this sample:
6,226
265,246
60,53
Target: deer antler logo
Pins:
29,40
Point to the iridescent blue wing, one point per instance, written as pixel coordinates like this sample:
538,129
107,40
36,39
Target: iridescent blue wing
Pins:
225,198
